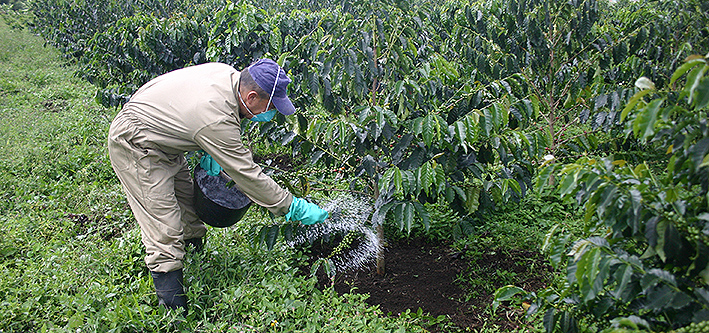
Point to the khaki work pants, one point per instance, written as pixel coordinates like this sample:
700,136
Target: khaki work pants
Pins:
160,193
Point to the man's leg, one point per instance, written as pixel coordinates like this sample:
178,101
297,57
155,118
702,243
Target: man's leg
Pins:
147,177
193,229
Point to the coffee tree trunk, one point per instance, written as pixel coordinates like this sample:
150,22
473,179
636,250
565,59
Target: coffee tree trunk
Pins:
380,254
380,237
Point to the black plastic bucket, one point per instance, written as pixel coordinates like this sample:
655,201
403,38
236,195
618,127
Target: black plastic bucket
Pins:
216,204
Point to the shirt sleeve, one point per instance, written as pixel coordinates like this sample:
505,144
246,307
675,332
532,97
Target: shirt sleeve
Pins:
222,140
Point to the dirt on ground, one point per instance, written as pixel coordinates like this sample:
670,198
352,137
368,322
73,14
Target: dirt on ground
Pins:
426,276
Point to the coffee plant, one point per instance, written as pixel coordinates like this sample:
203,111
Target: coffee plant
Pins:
645,263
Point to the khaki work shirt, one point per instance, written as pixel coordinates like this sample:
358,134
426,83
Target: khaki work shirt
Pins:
197,108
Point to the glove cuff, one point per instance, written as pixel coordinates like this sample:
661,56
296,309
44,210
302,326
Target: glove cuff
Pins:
291,215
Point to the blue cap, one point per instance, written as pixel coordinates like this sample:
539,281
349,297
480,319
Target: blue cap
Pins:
265,72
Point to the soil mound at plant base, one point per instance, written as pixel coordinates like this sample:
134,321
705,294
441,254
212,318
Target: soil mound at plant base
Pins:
422,275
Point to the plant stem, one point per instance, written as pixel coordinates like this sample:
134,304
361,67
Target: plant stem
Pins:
381,269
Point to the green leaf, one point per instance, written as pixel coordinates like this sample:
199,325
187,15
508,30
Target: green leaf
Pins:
500,116
549,321
390,116
409,184
76,321
514,185
549,238
701,100
644,124
698,153
409,216
302,123
693,79
557,251
384,210
686,67
417,125
600,101
399,215
535,106
275,40
632,322
430,129
592,274
472,199
380,119
544,178
288,232
398,87
608,198
680,300
386,178
364,115
398,179
624,274
439,178
472,121
272,236
316,156
428,178
330,268
659,299
262,235
632,102
702,295
568,323
423,214
486,122
660,247
461,134
459,191
505,293
568,184
316,266
602,268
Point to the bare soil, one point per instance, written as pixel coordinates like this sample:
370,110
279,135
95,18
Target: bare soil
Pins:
426,276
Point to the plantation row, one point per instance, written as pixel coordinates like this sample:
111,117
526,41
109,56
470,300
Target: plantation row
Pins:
604,105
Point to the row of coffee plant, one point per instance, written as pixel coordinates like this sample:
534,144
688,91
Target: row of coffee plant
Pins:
459,101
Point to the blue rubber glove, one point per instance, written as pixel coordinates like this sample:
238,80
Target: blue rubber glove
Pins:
305,212
210,165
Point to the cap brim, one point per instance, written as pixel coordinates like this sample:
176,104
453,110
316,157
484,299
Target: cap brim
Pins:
283,105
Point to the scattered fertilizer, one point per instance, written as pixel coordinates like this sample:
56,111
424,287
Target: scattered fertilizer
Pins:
358,244
215,188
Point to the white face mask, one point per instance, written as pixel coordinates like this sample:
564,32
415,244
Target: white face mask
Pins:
266,115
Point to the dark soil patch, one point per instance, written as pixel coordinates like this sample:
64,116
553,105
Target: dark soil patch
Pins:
457,285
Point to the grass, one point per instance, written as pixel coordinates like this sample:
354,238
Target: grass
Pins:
70,251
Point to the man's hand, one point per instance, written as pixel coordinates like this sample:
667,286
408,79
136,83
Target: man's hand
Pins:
305,212
210,165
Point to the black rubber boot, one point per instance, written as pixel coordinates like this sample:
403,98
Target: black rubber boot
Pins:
196,243
170,289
